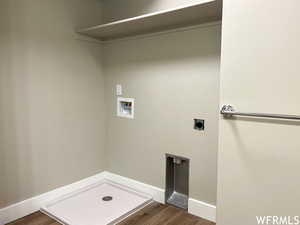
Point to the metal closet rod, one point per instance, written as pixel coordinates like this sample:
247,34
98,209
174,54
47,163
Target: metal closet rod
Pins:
229,111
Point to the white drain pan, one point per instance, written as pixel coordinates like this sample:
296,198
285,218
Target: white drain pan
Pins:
87,207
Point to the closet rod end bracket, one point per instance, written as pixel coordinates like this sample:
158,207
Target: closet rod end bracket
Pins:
227,111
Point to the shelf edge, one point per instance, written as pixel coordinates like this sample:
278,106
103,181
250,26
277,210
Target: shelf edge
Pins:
204,2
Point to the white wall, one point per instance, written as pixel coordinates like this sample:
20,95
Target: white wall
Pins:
258,165
51,97
174,78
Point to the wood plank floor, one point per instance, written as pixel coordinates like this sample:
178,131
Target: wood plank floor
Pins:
153,214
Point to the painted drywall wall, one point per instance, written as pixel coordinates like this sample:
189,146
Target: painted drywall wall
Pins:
258,165
174,78
116,9
51,97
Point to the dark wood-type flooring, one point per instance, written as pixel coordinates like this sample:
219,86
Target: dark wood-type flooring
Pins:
153,214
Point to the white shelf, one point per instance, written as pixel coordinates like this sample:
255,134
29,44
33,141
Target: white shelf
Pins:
202,12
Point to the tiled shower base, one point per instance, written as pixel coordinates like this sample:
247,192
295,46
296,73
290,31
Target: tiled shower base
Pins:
100,204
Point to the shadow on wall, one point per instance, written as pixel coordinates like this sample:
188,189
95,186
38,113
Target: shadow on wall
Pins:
15,140
160,48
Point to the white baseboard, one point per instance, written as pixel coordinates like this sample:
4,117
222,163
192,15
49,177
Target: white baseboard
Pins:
31,205
202,209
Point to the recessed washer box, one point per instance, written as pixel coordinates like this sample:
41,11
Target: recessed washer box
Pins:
177,181
125,107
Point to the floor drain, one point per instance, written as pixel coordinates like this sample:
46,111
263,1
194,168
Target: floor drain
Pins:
107,198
